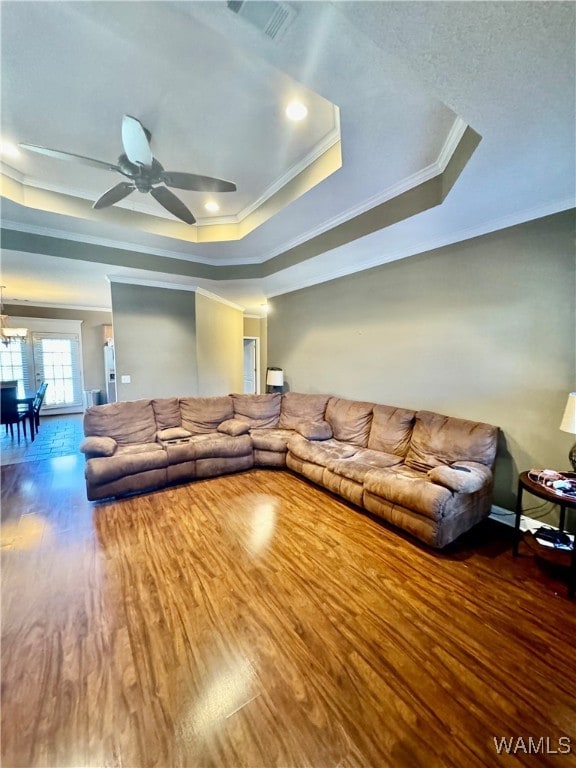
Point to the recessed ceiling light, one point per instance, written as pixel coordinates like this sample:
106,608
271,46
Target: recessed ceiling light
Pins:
8,149
296,111
211,206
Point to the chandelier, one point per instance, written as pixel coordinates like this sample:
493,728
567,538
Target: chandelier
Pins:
7,333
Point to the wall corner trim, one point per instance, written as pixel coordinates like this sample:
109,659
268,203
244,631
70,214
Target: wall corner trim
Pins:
127,280
215,297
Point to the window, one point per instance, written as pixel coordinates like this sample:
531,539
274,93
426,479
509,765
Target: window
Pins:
12,365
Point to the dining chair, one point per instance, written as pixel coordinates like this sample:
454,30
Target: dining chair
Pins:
37,404
9,413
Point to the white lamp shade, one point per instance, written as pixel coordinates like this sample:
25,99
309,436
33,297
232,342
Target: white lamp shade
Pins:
275,378
568,423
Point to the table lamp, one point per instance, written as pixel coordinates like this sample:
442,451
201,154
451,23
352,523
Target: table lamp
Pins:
275,379
568,424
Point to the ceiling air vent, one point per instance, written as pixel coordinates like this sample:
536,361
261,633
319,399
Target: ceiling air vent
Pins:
273,19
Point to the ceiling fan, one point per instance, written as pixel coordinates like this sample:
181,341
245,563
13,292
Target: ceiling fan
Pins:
145,172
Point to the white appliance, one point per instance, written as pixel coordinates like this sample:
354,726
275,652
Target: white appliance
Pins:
110,372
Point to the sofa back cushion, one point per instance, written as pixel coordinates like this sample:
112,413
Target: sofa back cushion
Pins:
391,429
201,415
299,408
438,439
260,411
350,420
167,412
128,422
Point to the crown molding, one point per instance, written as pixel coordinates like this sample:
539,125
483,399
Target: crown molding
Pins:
453,139
457,236
215,297
127,280
332,138
56,305
121,245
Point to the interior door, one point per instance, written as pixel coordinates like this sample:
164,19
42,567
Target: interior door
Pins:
56,360
250,366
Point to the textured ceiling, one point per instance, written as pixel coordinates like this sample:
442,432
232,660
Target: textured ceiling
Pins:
407,78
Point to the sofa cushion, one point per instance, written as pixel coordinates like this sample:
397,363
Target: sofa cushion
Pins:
234,427
364,460
220,446
350,420
409,489
133,450
391,429
129,462
271,439
201,415
98,446
128,422
298,408
166,412
260,411
438,439
173,433
314,430
464,477
320,452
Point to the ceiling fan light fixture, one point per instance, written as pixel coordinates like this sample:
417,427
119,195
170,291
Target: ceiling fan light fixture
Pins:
211,206
296,111
144,172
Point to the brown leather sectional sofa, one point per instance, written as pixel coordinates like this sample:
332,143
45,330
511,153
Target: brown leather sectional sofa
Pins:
429,474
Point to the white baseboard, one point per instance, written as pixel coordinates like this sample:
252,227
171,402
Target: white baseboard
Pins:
507,517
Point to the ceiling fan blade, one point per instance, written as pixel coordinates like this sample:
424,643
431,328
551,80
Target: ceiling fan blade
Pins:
115,194
59,155
172,204
135,141
194,183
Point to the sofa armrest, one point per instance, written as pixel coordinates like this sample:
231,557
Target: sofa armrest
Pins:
461,476
98,446
314,430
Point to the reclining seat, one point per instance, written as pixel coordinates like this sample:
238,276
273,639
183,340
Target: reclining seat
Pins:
294,412
261,414
216,445
445,485
388,443
122,455
347,425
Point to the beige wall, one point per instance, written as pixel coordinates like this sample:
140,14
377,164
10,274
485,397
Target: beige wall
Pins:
484,329
219,333
155,341
92,337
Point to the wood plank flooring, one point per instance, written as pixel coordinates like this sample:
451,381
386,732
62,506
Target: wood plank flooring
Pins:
255,620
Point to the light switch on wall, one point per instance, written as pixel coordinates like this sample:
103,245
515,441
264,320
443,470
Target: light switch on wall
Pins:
126,379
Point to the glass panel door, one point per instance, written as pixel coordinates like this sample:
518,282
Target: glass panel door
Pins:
57,361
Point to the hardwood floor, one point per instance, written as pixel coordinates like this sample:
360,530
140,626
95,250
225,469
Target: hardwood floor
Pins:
255,620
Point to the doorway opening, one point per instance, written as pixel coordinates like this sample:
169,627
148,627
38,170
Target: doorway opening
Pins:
251,365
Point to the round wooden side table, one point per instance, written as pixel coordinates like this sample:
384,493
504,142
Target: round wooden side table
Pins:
536,489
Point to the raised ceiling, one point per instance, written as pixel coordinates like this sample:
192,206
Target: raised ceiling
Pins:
450,119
